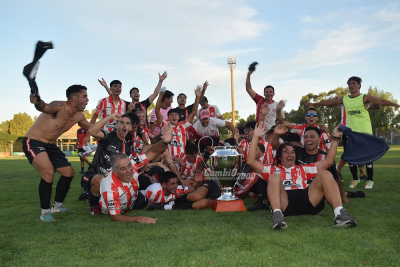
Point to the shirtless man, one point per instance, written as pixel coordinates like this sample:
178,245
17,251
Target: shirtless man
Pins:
56,118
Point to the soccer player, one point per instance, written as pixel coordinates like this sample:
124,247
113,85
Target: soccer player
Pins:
136,104
81,135
207,126
56,118
184,111
212,109
189,162
179,129
288,191
357,118
311,118
269,92
165,106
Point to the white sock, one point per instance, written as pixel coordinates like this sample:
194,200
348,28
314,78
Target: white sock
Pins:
168,207
57,204
171,202
278,210
44,211
337,210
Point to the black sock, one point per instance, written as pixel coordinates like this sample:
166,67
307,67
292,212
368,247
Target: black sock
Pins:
45,194
93,200
370,171
181,200
62,188
261,189
82,168
182,206
353,170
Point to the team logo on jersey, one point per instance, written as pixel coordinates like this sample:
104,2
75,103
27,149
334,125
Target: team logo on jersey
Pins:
112,148
175,143
136,160
289,183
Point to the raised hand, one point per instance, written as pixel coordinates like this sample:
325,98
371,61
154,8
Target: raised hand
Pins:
336,131
131,107
260,129
197,91
236,134
280,105
166,136
102,82
163,76
308,104
116,116
280,129
33,99
205,85
265,109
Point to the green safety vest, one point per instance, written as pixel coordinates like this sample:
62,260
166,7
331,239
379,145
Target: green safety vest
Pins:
357,116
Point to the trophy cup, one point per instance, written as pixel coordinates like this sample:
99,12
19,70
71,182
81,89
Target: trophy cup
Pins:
225,163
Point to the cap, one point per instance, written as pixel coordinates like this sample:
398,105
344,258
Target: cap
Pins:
204,114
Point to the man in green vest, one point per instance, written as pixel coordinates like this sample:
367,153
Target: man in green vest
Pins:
357,118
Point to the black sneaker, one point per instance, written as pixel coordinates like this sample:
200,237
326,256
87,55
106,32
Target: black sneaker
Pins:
257,206
355,194
155,207
279,221
344,219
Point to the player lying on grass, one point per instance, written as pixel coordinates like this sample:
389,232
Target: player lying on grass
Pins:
288,191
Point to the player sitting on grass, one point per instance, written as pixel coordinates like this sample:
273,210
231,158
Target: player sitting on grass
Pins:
288,191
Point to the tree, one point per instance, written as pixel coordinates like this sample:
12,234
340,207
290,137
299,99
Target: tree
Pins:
228,116
87,114
20,124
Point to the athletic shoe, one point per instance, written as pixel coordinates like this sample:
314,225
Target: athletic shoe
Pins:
355,194
81,172
47,217
155,206
94,210
257,206
364,178
60,209
279,221
354,183
369,184
83,196
344,219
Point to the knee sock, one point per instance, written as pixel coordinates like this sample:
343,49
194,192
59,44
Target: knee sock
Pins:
93,200
45,194
261,189
62,188
183,206
353,170
370,171
181,200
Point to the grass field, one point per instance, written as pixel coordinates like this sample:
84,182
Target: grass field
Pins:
197,238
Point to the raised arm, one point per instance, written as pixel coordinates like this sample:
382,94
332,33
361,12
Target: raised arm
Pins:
330,158
251,156
278,131
161,79
337,100
197,91
159,116
279,116
249,89
382,102
104,84
159,147
94,130
51,108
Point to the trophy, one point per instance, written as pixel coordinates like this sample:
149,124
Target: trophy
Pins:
225,162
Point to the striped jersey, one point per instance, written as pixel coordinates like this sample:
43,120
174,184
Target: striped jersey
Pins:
106,107
324,142
293,178
270,117
81,134
148,133
179,137
117,197
186,169
212,110
137,144
267,158
156,194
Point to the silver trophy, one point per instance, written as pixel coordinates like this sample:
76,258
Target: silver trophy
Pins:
225,162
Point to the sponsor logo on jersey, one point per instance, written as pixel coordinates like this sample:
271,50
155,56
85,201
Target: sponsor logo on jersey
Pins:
289,183
354,112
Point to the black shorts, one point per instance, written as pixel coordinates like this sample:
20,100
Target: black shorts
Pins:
300,204
33,147
141,202
214,191
86,180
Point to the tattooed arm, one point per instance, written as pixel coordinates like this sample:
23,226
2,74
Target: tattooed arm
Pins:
51,108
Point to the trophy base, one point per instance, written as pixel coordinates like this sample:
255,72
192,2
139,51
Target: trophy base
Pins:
228,206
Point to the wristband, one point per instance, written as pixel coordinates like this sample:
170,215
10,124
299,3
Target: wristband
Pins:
337,139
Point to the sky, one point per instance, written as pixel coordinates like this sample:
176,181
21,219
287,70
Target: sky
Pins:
301,46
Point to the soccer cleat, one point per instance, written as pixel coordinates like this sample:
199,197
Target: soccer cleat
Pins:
94,210
60,209
278,221
354,183
257,206
81,172
344,219
47,217
369,184
155,206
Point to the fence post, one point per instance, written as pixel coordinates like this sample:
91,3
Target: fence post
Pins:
12,150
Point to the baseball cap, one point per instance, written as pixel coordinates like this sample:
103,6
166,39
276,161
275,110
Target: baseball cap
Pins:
204,114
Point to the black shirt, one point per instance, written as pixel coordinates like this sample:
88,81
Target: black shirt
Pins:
184,113
143,105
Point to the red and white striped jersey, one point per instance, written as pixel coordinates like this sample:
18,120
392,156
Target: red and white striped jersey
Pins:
270,117
179,137
137,145
106,107
293,178
186,169
156,194
212,110
117,197
344,116
148,134
324,142
267,158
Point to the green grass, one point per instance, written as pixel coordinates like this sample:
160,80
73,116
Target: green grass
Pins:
196,238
